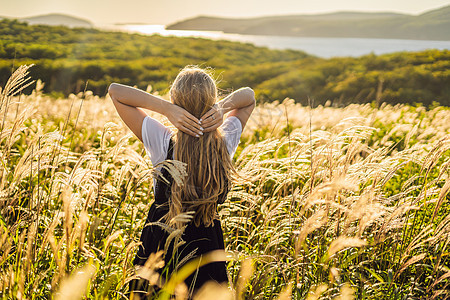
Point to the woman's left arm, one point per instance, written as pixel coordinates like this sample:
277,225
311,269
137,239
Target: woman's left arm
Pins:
129,100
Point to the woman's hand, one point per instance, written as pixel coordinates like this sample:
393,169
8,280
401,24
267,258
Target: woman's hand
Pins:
184,121
212,119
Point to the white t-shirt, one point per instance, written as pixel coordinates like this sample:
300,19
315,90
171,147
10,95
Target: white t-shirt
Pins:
156,137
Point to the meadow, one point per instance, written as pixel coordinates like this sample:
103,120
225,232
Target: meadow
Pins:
332,203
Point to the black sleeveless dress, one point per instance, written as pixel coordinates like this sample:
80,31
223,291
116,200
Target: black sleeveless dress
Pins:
199,240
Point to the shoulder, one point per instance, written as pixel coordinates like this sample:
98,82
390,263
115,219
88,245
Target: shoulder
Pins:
232,130
232,123
155,137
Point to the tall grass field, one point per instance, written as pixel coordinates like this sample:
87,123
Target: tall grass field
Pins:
331,203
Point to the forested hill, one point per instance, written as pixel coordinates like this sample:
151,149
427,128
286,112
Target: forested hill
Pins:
432,25
56,20
65,59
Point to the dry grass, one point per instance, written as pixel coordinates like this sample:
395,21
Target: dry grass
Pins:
353,206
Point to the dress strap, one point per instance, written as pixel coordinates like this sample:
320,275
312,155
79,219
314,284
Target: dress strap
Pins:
162,188
170,149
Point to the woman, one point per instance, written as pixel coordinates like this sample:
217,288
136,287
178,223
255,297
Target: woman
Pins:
206,143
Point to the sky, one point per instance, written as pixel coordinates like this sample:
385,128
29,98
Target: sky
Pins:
170,11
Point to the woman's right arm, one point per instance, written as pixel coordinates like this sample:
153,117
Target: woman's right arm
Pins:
240,104
129,101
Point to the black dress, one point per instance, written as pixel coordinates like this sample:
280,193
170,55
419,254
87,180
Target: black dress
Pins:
199,240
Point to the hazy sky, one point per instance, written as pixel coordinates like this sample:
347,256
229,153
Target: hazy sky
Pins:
168,11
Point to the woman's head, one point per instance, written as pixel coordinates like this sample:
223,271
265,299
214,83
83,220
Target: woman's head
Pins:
194,90
208,163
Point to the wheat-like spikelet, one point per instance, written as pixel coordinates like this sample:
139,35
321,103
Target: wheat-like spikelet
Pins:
343,242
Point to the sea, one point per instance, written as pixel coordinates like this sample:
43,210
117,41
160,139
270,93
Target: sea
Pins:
321,47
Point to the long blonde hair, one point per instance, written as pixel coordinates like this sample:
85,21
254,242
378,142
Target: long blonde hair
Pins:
208,163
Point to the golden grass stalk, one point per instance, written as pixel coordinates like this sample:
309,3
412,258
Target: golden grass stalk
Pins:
245,273
346,292
286,294
411,261
314,222
315,293
344,242
443,193
76,286
189,268
213,290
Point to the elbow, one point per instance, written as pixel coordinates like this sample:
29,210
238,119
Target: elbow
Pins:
249,90
111,90
251,94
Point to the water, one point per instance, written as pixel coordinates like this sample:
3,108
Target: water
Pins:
322,47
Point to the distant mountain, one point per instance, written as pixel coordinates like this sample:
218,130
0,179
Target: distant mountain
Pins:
57,19
432,25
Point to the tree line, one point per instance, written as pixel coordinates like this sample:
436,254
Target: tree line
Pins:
66,59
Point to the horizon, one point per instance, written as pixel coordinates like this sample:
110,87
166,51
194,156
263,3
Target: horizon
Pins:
96,16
